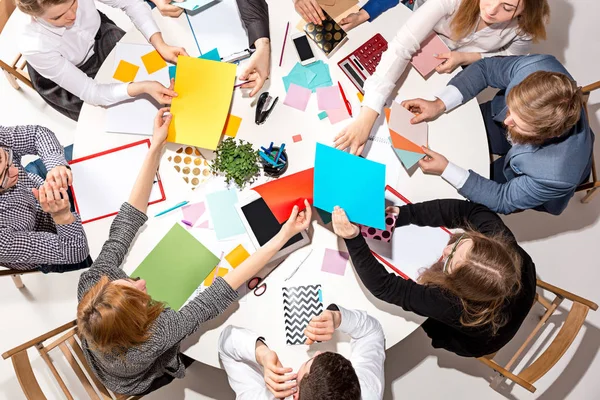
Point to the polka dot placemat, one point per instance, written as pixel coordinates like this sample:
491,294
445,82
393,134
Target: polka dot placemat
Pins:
191,166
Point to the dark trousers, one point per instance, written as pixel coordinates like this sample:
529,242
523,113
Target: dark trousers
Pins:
63,101
497,142
166,379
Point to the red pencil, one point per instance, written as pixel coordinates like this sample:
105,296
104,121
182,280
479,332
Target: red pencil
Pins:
346,102
287,28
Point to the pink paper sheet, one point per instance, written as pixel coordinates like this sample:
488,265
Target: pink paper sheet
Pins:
337,115
423,60
328,98
193,212
335,262
297,97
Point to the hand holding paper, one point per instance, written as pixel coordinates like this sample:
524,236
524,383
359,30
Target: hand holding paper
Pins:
434,163
425,110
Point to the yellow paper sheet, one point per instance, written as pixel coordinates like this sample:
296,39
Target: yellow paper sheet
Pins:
126,71
204,89
153,62
237,256
211,277
232,125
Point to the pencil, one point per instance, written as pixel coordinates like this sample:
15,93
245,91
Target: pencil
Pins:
287,28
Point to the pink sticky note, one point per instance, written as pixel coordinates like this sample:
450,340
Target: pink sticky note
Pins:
193,212
335,262
297,138
297,97
329,98
423,60
203,224
337,115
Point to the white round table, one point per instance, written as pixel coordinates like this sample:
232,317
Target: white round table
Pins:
459,135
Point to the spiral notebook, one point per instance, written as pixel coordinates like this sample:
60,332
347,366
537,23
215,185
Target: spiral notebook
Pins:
378,148
300,305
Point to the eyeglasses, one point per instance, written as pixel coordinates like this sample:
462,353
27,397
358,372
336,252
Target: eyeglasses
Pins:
9,163
451,255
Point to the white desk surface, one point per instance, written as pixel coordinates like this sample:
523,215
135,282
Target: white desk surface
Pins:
459,135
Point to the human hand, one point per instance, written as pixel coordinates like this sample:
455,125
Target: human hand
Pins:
298,221
160,93
355,134
425,110
433,163
353,20
342,226
170,53
61,176
279,380
161,127
321,327
310,10
392,210
452,60
167,9
258,67
55,201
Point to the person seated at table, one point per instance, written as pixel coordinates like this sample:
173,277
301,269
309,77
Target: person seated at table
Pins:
536,123
255,371
66,42
37,228
472,29
475,297
130,340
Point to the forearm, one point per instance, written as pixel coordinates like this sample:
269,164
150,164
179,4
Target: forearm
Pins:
255,17
468,58
145,180
374,8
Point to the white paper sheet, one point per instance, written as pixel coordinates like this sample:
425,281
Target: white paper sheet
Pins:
102,184
219,26
412,247
136,115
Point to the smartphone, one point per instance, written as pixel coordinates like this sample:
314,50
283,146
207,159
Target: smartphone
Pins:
303,48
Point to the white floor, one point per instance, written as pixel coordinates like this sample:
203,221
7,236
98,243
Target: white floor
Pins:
563,248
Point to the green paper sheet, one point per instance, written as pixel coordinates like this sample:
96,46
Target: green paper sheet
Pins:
176,267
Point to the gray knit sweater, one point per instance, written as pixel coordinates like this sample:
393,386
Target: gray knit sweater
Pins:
133,373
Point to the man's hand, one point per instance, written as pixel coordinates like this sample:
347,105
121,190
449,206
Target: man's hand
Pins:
433,163
258,68
61,176
167,9
55,201
279,380
310,10
353,20
342,226
425,110
321,327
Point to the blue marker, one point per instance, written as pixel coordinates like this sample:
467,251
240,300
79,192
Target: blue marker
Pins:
267,158
279,152
183,203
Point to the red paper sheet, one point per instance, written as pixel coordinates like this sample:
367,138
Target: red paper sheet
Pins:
281,195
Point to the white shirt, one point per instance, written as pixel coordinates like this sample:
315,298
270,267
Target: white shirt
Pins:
56,52
237,353
497,39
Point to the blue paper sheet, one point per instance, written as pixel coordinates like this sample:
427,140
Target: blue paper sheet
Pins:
226,221
351,182
311,76
172,69
408,158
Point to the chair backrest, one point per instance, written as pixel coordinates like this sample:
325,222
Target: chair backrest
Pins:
7,7
560,344
68,344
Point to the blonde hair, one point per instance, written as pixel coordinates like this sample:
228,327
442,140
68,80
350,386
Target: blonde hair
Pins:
531,21
549,102
37,7
490,274
113,318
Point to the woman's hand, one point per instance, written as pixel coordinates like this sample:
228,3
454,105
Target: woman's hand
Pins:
455,59
425,110
55,201
167,9
161,127
433,163
61,176
392,210
321,327
257,70
298,221
169,53
310,10
342,226
353,20
355,135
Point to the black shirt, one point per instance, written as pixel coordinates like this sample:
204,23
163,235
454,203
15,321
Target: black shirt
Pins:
443,308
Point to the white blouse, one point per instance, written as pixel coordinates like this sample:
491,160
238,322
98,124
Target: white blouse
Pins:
56,52
500,39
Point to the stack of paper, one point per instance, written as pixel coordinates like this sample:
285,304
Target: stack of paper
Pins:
311,76
406,138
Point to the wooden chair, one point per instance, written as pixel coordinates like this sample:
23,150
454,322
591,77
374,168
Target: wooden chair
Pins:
15,274
68,344
593,184
563,340
13,72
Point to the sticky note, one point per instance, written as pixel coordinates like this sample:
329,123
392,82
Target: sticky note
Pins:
329,98
423,60
297,138
172,71
202,105
237,256
126,71
153,62
297,97
232,124
337,115
193,212
335,262
354,183
322,115
226,220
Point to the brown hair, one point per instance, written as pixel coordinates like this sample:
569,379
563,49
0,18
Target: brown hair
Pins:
549,102
490,274
113,318
331,376
531,21
37,7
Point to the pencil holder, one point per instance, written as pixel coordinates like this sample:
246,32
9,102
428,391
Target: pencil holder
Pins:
271,170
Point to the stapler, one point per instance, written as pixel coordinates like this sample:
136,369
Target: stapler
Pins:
264,106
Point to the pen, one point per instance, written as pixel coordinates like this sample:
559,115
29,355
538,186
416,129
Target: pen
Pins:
287,28
183,203
299,265
348,106
239,84
279,152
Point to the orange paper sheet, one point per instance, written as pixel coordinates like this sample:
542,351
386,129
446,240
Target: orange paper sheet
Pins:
153,62
237,256
126,71
283,194
399,141
211,277
232,125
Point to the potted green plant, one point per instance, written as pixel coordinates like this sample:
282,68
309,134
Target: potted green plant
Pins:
238,162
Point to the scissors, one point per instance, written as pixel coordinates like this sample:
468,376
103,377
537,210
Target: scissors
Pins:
257,283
